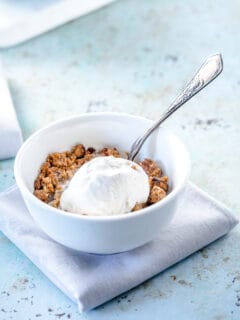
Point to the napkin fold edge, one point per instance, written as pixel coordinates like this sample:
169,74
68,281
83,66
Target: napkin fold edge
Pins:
11,134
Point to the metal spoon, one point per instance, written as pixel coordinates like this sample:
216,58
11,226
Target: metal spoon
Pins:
210,69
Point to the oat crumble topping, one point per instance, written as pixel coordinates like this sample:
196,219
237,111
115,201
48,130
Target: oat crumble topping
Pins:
59,168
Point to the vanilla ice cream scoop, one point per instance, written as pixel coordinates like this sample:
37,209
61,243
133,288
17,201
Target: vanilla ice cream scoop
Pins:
106,186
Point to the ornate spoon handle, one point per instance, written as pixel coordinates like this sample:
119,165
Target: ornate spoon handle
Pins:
210,69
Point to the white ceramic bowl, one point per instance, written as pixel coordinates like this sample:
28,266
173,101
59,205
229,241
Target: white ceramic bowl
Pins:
107,234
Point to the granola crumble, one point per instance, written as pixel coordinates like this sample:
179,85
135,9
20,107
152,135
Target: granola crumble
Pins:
59,168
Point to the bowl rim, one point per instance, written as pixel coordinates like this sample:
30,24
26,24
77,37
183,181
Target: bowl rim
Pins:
23,188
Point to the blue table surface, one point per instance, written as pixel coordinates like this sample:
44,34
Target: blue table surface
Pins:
134,56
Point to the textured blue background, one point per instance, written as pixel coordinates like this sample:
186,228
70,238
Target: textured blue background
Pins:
134,56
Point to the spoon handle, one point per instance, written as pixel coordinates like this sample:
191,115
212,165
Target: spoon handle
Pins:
210,69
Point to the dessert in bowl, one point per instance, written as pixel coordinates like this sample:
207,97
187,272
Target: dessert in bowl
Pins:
90,182
110,233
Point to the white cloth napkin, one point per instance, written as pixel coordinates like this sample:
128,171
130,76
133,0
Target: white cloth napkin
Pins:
10,132
90,279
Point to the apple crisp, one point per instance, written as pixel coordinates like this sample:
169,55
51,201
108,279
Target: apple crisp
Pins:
59,168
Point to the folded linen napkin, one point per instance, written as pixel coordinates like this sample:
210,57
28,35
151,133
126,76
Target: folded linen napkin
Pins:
90,279
10,132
